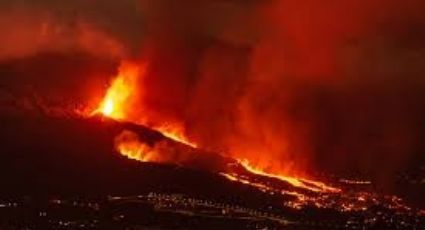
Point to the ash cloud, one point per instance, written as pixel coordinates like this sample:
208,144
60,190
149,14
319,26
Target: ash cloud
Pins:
99,28
293,86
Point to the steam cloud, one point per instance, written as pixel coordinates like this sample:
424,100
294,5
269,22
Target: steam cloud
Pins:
293,86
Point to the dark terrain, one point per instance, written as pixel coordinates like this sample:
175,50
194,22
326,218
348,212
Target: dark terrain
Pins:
63,173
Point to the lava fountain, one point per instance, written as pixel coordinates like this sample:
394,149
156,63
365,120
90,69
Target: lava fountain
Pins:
121,93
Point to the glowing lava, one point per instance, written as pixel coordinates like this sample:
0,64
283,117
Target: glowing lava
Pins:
119,95
297,182
129,145
120,102
175,132
123,96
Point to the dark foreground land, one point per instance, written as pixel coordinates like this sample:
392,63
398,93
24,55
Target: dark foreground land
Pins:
63,173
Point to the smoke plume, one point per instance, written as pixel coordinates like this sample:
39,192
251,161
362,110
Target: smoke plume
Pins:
293,86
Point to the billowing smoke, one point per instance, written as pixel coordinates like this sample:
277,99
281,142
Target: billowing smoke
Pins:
32,27
292,86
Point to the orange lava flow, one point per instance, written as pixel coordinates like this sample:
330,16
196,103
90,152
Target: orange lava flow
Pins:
175,132
297,182
120,103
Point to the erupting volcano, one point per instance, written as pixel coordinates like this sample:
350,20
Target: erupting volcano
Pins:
212,114
119,104
177,149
